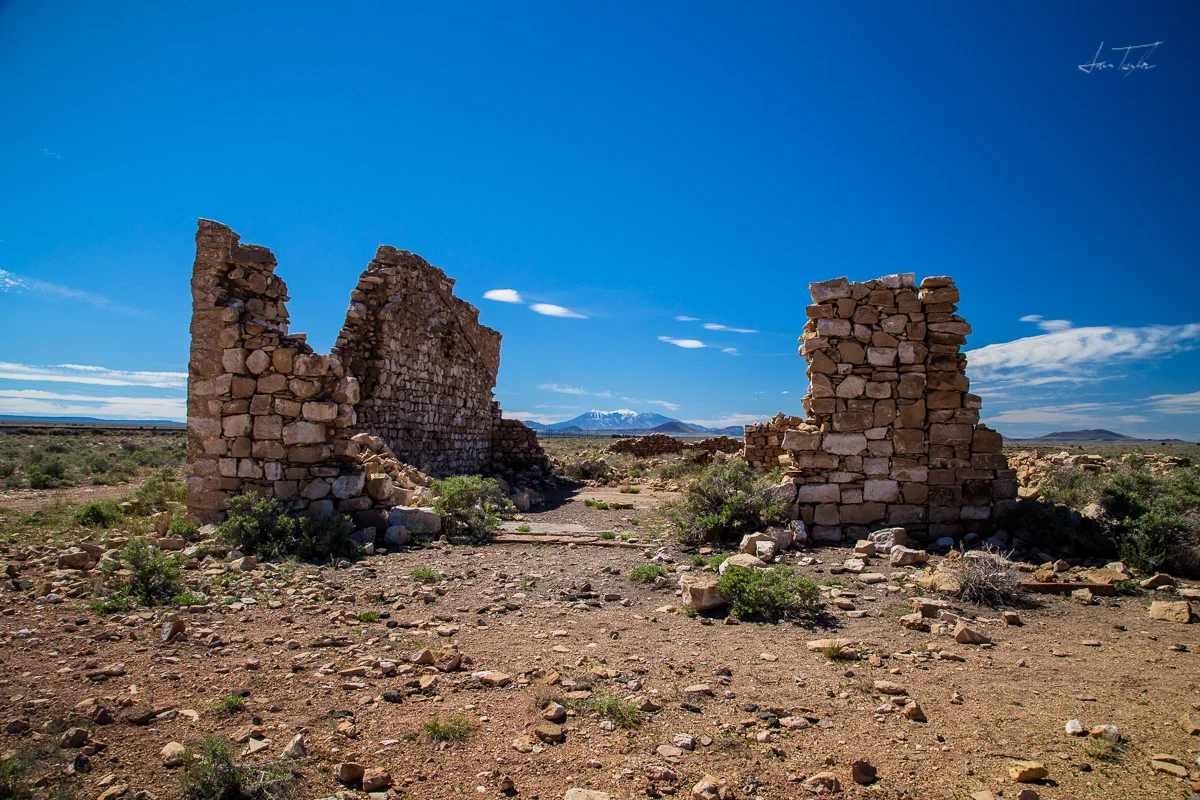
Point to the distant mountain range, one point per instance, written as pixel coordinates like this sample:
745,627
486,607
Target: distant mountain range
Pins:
124,423
1097,436
626,421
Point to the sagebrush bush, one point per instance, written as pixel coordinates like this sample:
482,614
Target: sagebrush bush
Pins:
986,577
769,594
154,575
469,504
161,490
647,573
183,529
723,504
262,526
210,772
103,514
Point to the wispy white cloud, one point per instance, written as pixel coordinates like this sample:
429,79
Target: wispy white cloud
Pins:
50,153
733,351
34,402
567,389
687,344
551,310
503,295
98,376
716,326
1175,403
687,319
1074,354
12,283
663,403
1049,325
1090,415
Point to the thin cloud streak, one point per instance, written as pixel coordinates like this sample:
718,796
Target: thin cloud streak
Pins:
551,310
97,376
687,344
10,282
716,326
567,389
34,402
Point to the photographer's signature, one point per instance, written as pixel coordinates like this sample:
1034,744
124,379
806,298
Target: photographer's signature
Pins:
1141,51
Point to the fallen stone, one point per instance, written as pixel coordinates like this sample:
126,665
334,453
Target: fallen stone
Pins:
550,733
741,560
823,782
1075,728
586,794
172,630
914,712
889,688
817,645
1171,611
887,538
1027,771
172,754
295,748
1158,581
964,634
1168,764
1107,733
700,592
376,780
862,772
710,788
349,773
903,556
1190,722
419,521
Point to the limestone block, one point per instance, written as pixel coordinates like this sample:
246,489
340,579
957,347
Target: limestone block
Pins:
319,412
846,444
302,432
819,493
258,362
236,425
268,427
882,491
234,360
348,486
417,520
700,592
801,440
829,290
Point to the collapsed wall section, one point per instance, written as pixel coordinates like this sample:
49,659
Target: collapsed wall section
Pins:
892,434
413,372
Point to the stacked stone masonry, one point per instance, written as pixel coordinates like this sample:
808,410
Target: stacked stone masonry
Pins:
717,444
892,434
265,413
660,444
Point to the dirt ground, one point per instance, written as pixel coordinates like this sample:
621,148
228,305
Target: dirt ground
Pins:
563,619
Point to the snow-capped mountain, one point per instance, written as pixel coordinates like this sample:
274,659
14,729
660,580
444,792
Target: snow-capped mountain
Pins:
622,419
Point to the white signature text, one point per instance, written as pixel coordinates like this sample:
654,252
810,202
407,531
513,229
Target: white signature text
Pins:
1128,66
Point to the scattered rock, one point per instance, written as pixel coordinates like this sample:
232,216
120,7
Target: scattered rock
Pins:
1075,728
1169,764
350,773
903,556
823,782
172,754
550,732
862,772
710,788
1027,771
965,634
295,748
376,780
1171,611
700,592
586,794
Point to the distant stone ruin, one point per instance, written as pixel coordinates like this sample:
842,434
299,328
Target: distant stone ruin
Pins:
659,444
411,366
892,434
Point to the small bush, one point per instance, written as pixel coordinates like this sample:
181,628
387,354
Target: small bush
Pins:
160,491
7,468
14,781
455,729
230,704
154,575
623,715
834,651
469,504
524,528
425,575
262,526
608,535
647,573
724,503
185,599
774,593
1102,749
183,529
54,468
988,578
368,616
210,772
103,514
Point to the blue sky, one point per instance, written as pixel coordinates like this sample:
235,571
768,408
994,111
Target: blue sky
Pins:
631,163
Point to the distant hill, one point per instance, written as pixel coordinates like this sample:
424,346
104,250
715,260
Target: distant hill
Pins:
537,426
92,421
674,426
1097,436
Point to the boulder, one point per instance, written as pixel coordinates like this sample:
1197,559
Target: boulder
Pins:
700,592
741,560
417,520
903,556
887,538
780,539
965,634
1171,611
396,536
172,754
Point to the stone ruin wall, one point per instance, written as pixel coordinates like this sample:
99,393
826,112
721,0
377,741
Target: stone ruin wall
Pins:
892,435
659,444
265,413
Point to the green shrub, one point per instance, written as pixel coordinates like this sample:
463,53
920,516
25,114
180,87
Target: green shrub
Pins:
623,715
262,526
469,504
425,575
646,573
54,468
154,575
524,528
183,529
95,463
455,729
230,704
14,780
210,772
160,491
724,503
103,514
7,468
368,616
608,535
774,593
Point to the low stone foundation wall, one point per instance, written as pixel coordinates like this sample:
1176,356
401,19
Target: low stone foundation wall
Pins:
656,444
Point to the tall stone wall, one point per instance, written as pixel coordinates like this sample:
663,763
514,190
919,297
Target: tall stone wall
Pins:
426,366
892,434
266,413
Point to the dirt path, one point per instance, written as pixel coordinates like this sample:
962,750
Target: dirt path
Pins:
562,619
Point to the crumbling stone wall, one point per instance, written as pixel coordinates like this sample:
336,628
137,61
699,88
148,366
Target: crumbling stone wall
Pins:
266,413
892,435
764,440
655,444
716,444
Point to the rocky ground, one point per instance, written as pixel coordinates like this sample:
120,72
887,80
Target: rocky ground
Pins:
337,657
